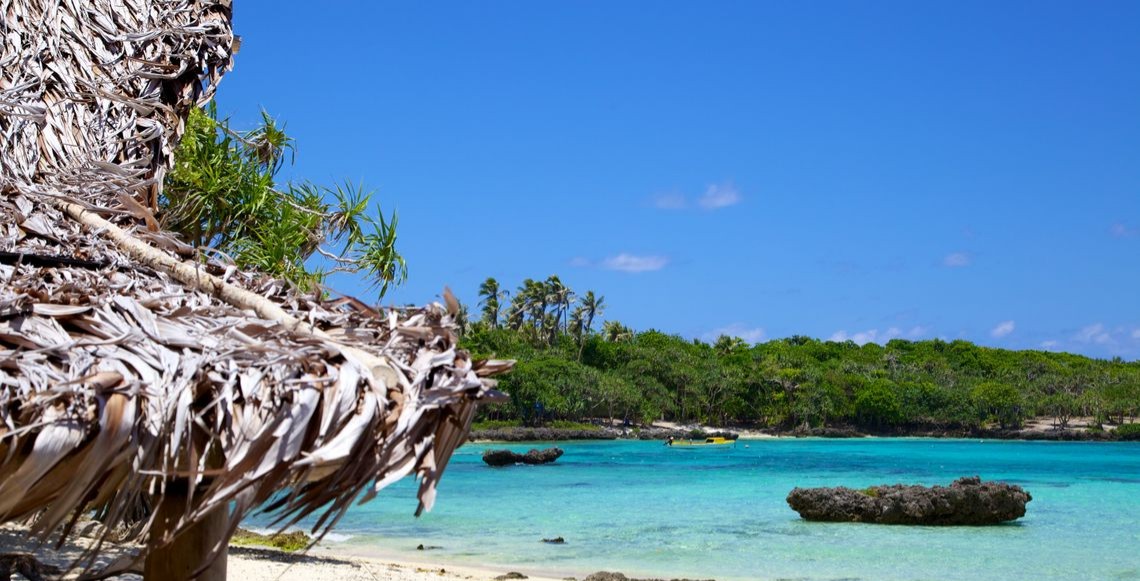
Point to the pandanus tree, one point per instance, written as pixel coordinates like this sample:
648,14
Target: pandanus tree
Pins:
222,194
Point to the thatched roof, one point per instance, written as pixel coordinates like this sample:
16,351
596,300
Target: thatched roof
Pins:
125,370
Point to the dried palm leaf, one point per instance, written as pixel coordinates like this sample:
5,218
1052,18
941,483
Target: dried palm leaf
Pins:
128,374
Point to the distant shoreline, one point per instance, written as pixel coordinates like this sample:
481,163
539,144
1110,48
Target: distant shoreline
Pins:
1039,429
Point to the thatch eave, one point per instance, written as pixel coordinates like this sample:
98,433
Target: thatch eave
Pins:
132,370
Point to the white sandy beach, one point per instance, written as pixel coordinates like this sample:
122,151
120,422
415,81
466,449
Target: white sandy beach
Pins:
328,564
321,563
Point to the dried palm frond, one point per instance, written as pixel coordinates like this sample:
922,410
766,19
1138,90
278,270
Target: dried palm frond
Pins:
128,374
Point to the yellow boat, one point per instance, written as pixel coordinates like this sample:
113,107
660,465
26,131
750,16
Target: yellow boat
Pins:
706,443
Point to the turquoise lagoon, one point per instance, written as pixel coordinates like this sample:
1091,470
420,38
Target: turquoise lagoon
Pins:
648,510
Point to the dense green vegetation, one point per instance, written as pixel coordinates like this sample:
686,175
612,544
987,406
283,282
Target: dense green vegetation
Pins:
223,194
569,371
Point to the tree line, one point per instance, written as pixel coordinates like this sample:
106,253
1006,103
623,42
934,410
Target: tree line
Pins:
224,194
569,370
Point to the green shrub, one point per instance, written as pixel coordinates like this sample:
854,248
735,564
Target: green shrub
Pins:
1128,431
288,542
568,425
1001,402
496,424
877,404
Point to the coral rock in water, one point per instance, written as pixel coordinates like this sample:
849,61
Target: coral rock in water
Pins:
968,501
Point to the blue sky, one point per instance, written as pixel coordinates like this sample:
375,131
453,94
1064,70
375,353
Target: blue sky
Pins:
849,170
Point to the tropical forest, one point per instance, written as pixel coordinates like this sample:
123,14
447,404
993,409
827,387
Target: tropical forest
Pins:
572,368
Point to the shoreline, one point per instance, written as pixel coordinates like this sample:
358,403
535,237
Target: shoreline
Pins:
1037,429
333,563
323,562
393,561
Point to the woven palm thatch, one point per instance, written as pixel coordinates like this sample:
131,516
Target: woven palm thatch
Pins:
129,373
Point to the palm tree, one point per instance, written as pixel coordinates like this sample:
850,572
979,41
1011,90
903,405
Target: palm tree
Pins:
577,327
520,306
560,297
577,323
594,306
727,344
616,332
491,301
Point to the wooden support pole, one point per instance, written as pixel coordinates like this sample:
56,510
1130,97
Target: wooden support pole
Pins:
191,550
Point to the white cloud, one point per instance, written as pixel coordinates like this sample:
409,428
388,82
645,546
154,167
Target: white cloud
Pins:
748,334
670,201
868,336
957,260
631,263
580,262
1136,334
1119,230
916,332
718,196
1050,345
1002,329
1094,333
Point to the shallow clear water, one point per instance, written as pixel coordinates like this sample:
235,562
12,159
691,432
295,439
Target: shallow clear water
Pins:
645,509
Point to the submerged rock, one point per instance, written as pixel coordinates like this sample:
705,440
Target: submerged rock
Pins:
967,501
607,576
507,457
615,576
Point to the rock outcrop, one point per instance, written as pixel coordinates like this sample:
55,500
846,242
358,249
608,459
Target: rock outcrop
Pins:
508,458
968,501
615,576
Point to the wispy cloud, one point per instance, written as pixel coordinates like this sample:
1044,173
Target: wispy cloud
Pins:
581,262
868,336
718,196
632,263
748,334
1120,230
1050,345
1002,329
957,260
1136,334
916,332
1094,333
670,201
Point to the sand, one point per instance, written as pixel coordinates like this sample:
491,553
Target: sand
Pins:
328,564
321,563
